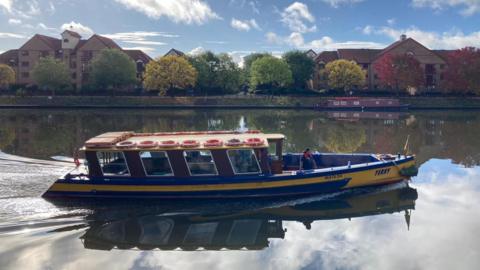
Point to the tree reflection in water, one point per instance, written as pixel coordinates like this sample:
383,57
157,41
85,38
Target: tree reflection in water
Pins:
451,135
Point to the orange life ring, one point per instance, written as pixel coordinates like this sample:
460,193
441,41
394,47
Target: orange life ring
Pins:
147,144
126,145
190,143
213,143
254,142
234,142
168,144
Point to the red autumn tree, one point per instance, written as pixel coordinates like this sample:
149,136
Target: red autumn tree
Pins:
463,72
399,71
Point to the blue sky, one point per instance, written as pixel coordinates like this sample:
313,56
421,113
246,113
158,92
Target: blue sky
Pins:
243,26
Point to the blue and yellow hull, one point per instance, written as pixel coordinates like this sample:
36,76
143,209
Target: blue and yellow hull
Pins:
318,182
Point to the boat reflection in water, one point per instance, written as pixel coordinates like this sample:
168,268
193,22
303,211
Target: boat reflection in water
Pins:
236,229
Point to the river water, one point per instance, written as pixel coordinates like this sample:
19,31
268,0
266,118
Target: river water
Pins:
429,223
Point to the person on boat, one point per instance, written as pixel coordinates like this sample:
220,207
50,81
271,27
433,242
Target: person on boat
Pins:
307,162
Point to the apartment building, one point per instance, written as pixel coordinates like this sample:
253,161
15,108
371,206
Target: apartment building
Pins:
77,53
433,62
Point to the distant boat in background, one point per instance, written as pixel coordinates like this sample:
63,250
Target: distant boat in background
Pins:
361,104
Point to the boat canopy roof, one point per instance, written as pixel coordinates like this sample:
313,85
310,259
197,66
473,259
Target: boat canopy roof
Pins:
129,140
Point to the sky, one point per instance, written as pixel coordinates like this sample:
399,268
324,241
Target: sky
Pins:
240,27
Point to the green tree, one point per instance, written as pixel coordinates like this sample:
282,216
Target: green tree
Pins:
113,69
168,73
270,72
302,67
249,59
217,74
51,74
344,74
7,75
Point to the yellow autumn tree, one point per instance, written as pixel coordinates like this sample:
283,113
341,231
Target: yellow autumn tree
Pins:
344,74
168,73
7,75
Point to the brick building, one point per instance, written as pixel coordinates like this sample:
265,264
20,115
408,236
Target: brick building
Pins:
76,52
433,62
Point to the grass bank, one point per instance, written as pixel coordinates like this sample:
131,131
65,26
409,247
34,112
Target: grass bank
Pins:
284,102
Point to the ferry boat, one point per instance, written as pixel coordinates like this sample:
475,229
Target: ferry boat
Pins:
362,104
219,164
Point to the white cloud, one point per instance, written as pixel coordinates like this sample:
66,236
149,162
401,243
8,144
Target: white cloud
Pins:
11,35
44,27
470,7
391,21
145,42
14,21
77,27
237,56
218,42
367,30
179,11
297,16
297,40
196,51
145,49
254,5
6,4
26,9
338,3
140,37
244,25
433,40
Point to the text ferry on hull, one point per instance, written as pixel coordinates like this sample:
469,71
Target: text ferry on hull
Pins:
219,164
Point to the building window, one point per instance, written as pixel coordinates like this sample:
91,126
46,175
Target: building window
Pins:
73,65
243,161
65,40
442,66
45,53
74,75
25,64
25,74
200,163
156,163
113,163
24,53
140,66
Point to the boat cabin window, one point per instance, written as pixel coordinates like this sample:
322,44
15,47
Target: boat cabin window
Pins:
243,161
156,163
113,163
200,162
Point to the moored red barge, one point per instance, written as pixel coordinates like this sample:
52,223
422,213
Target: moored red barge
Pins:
362,104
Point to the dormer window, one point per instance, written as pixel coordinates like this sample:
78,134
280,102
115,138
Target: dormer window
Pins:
65,40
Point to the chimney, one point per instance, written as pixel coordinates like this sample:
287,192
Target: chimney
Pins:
403,37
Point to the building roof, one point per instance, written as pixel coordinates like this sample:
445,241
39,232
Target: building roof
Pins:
53,43
107,41
445,54
326,56
362,56
175,52
8,55
72,33
138,55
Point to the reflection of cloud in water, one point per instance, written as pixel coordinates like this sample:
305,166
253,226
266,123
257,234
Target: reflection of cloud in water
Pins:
443,235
